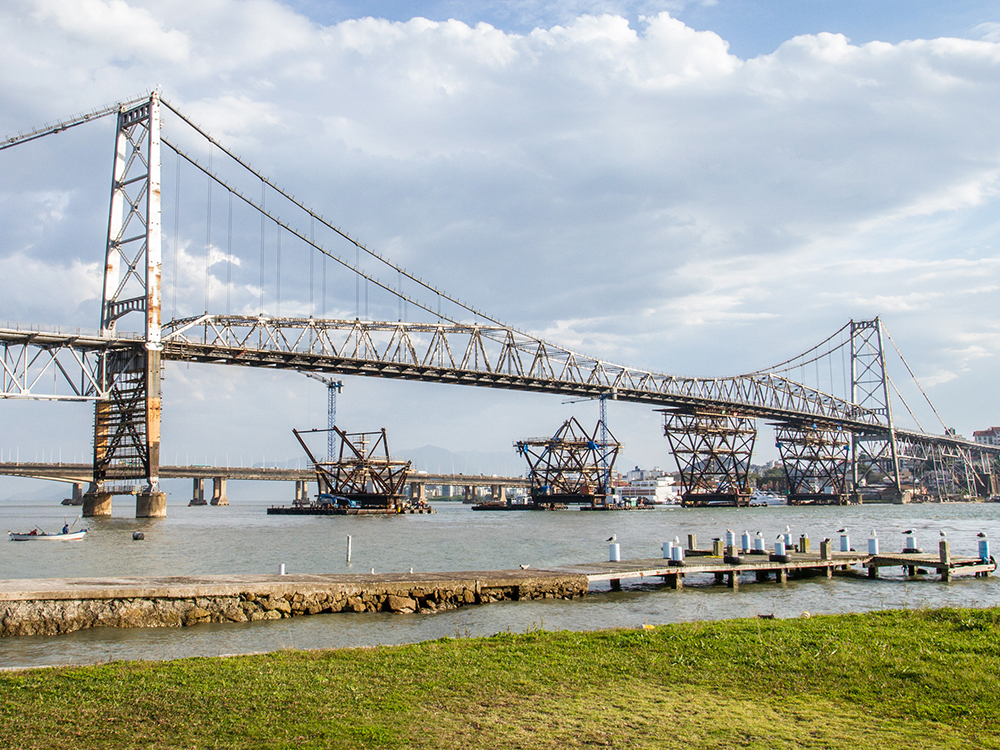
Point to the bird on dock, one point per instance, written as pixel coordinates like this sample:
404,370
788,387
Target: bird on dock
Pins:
874,533
981,535
373,571
612,538
411,571
788,529
908,532
842,531
943,533
525,567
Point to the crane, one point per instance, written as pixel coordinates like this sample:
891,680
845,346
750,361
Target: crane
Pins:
605,465
333,387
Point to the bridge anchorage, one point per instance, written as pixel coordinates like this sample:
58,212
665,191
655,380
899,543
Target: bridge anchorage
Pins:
838,444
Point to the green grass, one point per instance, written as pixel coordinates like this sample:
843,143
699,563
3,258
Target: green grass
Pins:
900,679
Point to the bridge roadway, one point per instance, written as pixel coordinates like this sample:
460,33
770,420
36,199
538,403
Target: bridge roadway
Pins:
77,473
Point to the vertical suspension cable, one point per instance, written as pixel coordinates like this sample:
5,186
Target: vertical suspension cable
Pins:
277,271
262,205
357,283
177,224
399,295
229,260
208,232
312,263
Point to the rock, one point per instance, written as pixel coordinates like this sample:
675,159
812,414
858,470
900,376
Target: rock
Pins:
401,604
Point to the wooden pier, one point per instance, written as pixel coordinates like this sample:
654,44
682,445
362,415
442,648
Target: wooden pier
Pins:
729,566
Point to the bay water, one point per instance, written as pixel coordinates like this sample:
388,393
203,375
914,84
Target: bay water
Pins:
242,538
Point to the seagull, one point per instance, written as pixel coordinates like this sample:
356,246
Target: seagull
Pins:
716,539
827,539
908,532
943,533
788,529
842,531
760,533
525,567
411,571
373,571
981,534
874,533
612,538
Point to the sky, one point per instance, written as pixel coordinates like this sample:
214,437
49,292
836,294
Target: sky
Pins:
695,188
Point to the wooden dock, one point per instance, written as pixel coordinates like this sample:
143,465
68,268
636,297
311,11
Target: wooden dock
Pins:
729,567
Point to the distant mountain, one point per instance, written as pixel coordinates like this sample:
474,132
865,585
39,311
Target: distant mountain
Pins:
435,460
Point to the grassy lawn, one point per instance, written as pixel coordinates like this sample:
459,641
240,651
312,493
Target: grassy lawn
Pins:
902,679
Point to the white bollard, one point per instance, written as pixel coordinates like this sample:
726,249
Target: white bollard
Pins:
348,548
911,542
873,545
745,542
730,538
779,547
666,550
984,550
845,543
281,569
788,540
677,553
615,552
758,544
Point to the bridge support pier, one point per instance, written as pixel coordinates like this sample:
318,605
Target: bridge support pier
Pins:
301,492
219,491
151,505
418,492
198,492
96,504
77,498
496,492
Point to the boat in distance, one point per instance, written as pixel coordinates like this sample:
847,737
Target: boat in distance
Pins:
38,536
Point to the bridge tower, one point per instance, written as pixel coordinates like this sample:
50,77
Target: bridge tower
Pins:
127,422
874,456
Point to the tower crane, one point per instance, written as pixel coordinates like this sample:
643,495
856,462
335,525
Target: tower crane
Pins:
333,387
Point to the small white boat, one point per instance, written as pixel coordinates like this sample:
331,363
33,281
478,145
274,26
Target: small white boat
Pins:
39,536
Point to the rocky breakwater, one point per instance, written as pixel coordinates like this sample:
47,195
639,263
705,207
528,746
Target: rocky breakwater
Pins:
54,606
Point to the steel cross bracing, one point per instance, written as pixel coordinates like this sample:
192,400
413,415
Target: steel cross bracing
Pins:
56,366
483,355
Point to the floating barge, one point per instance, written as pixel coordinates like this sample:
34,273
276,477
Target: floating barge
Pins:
333,510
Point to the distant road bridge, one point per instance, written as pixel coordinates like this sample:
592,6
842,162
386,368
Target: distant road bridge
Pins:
832,447
83,474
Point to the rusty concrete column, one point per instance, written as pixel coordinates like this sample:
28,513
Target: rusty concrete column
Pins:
496,492
96,504
219,491
151,504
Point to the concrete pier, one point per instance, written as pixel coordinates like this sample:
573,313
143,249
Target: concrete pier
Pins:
219,491
198,492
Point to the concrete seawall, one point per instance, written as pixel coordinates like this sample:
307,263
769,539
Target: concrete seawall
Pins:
54,606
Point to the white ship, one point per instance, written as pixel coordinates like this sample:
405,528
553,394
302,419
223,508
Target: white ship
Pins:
656,491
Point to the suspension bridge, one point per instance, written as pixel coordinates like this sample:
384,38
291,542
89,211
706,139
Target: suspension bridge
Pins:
837,441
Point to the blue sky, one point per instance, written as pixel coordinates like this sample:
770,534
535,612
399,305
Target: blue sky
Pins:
696,189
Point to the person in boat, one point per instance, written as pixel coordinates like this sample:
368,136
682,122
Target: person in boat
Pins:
65,528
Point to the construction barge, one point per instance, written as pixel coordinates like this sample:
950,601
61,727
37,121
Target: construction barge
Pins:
363,480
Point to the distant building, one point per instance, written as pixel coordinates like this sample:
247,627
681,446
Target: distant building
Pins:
987,437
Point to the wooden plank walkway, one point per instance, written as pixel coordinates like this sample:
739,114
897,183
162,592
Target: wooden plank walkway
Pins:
763,566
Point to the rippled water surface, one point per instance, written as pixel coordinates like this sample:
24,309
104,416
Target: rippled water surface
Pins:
241,538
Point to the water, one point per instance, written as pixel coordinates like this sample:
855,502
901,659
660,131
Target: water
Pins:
241,538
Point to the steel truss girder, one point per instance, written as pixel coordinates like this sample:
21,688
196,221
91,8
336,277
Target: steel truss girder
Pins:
489,356
363,469
947,468
874,454
55,366
712,450
815,459
571,463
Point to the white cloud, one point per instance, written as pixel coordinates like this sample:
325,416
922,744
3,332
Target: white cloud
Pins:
635,189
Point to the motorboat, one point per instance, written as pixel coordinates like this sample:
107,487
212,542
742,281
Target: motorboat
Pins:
38,536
